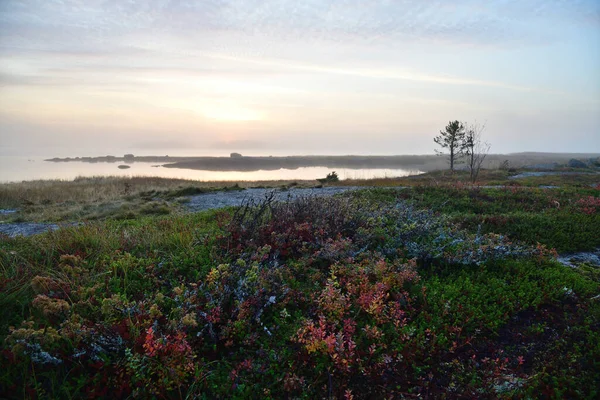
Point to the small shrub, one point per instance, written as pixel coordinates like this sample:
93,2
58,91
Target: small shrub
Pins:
331,177
589,205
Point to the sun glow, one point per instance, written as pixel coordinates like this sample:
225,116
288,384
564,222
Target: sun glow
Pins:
230,112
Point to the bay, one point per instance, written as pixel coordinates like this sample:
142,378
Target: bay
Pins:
17,168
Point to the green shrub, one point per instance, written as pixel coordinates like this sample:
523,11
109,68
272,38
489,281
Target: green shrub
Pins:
331,177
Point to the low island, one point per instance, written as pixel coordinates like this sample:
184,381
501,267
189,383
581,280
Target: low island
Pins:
424,163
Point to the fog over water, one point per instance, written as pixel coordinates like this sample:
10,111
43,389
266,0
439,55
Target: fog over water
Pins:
19,168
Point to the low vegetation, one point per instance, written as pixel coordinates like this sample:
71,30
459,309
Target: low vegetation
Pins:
496,178
97,198
566,219
331,177
443,290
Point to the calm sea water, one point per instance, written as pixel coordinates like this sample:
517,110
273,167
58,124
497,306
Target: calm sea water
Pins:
20,168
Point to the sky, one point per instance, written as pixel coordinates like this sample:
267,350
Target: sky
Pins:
297,77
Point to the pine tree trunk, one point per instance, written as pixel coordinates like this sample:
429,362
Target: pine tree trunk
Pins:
472,165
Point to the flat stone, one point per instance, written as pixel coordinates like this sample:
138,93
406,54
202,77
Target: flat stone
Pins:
26,228
585,257
222,199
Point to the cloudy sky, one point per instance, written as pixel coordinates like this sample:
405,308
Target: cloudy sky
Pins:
298,77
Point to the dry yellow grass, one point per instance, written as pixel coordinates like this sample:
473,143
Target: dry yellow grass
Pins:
104,189
103,197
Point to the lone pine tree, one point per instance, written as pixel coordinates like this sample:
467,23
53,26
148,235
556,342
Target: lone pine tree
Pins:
453,139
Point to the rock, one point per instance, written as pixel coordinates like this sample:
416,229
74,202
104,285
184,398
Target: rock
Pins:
587,258
208,201
26,228
547,166
574,163
235,155
573,260
531,173
548,173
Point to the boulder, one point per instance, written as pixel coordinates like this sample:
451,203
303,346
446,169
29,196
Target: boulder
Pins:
574,163
544,166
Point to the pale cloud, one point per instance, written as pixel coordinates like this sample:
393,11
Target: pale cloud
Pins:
381,73
78,24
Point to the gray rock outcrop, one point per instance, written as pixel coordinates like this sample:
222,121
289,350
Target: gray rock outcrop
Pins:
574,163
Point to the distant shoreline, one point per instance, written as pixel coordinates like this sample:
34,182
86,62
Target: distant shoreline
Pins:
237,162
247,163
294,162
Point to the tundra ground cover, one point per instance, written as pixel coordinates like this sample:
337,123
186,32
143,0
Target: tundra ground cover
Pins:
103,197
376,294
566,219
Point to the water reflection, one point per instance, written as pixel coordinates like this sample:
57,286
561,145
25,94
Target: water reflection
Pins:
14,169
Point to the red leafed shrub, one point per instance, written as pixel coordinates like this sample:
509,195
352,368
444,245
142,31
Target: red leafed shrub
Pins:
291,228
361,310
165,364
589,205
